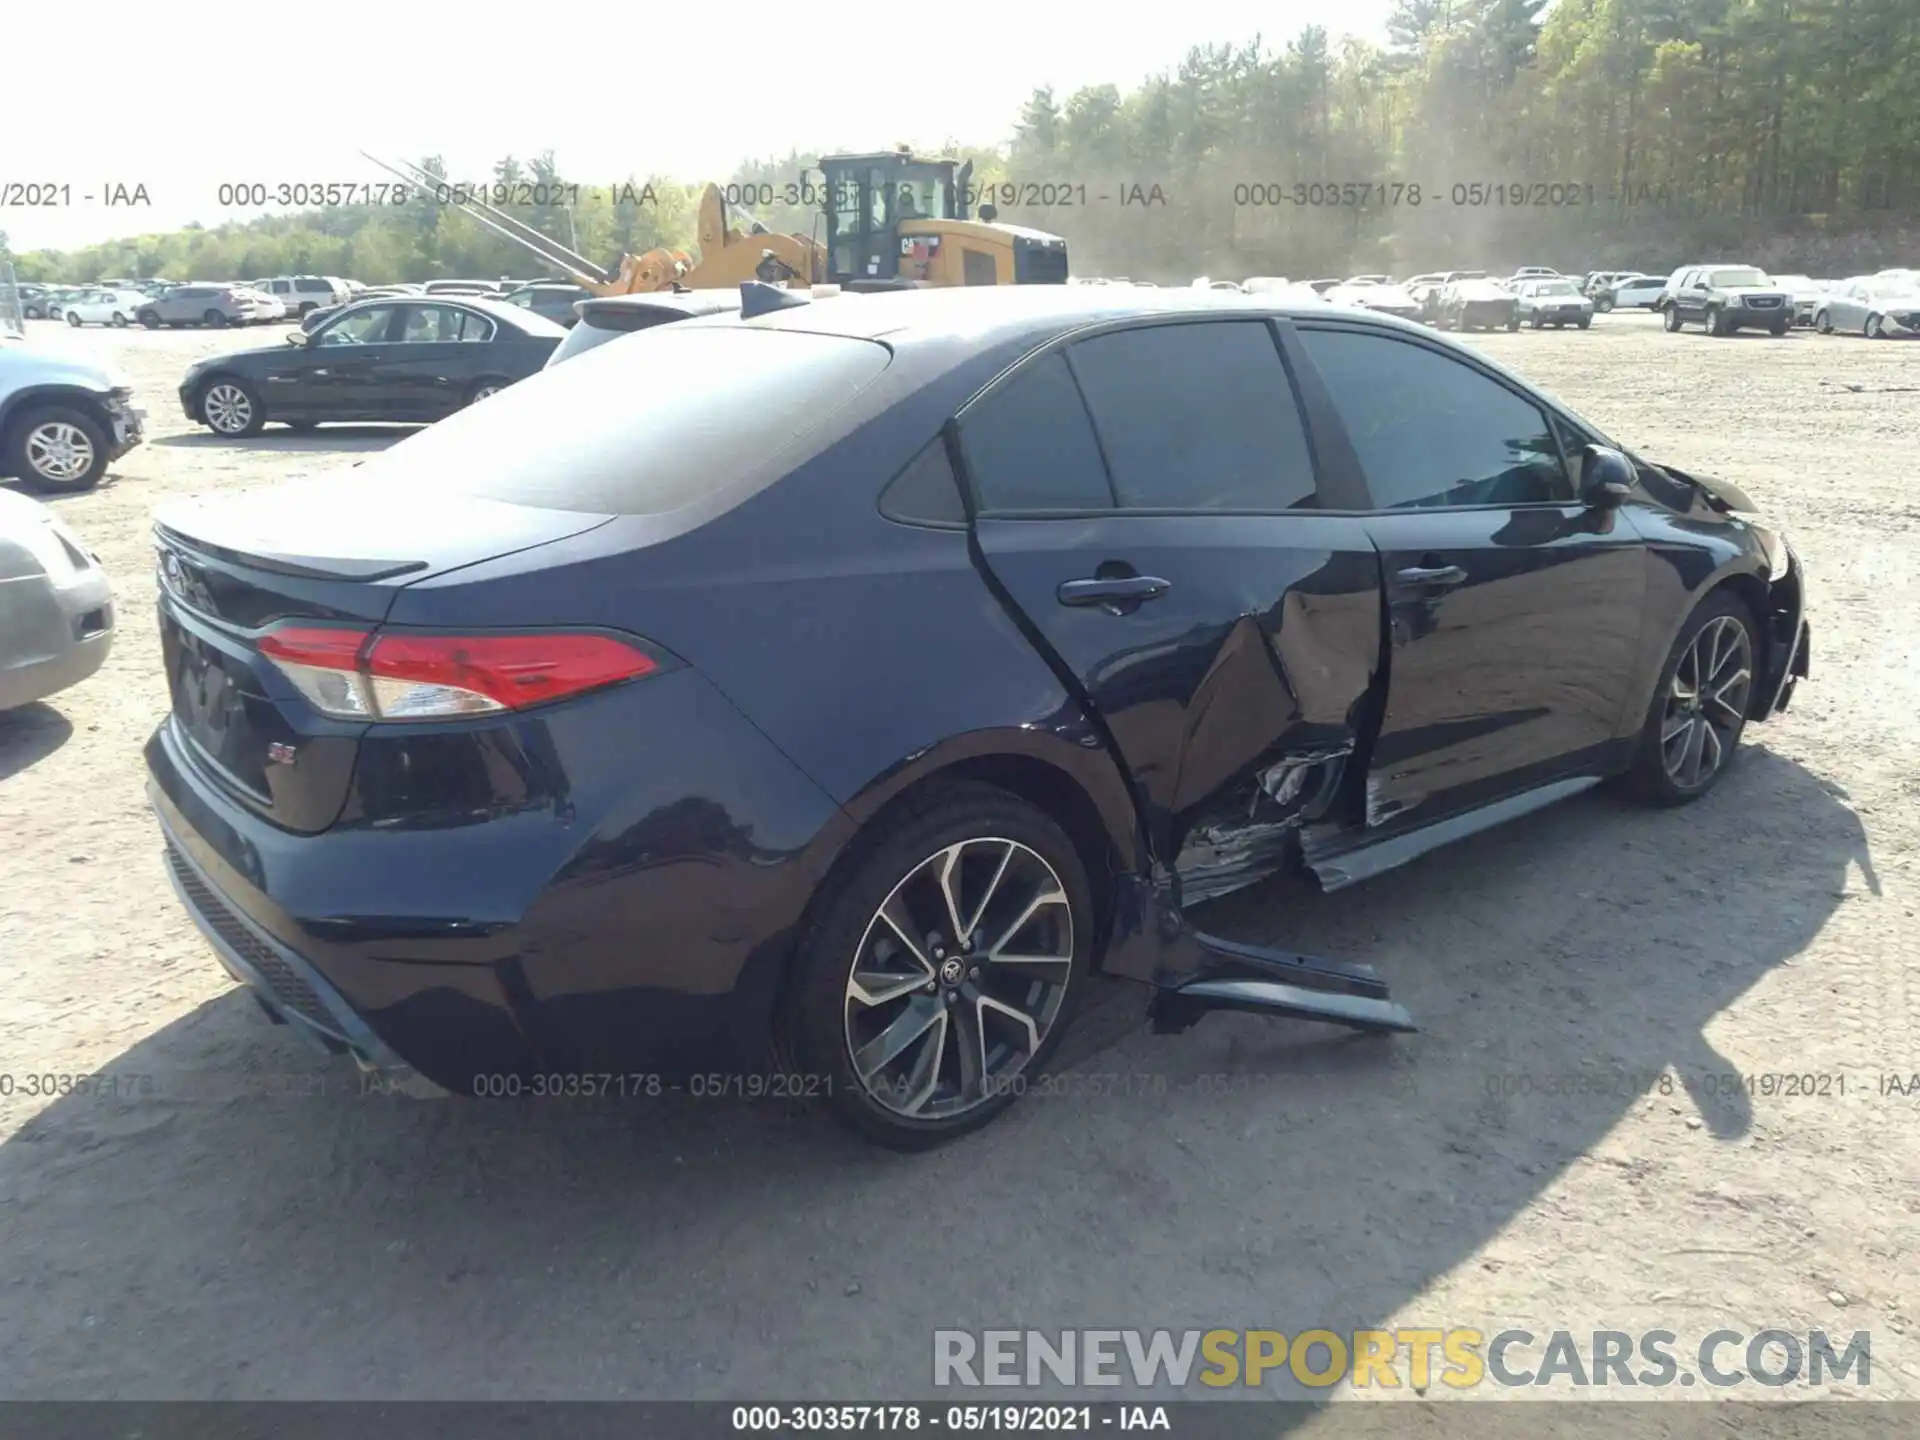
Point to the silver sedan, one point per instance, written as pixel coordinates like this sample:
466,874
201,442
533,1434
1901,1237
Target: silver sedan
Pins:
56,605
1877,306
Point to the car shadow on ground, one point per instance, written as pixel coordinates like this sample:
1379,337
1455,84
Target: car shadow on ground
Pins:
28,735
230,1218
326,437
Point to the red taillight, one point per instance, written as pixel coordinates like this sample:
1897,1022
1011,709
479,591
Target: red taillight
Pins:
439,677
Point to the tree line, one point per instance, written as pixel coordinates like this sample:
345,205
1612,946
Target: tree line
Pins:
1602,132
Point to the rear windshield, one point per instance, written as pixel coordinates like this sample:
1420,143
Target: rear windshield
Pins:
677,415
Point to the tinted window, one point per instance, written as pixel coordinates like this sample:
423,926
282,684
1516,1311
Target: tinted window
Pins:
362,327
1196,417
1029,445
927,492
1431,430
744,405
313,286
443,324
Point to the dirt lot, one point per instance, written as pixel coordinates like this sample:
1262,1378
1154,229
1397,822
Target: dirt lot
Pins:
240,1221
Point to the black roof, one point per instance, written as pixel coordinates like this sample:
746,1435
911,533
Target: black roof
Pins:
986,314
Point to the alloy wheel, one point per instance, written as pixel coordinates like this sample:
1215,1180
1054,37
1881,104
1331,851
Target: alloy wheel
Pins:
1707,702
484,391
59,451
228,409
959,978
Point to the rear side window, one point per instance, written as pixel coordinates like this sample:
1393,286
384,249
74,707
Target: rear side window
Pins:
1029,445
740,402
313,286
1197,417
927,492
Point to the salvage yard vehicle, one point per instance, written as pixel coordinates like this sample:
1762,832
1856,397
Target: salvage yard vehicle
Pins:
1726,299
62,420
1632,292
1477,303
56,604
55,301
522,749
1805,293
1556,302
304,293
102,307
410,361
1371,293
1878,307
200,304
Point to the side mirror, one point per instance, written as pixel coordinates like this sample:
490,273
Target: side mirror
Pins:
1606,478
296,337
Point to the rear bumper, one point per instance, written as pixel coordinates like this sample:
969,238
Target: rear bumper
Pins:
630,923
57,635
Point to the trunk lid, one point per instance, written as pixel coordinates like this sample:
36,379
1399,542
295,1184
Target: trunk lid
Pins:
337,550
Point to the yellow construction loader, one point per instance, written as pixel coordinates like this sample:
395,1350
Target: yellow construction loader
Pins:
890,220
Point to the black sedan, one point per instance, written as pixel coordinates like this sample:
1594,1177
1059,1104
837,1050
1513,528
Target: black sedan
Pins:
906,658
387,359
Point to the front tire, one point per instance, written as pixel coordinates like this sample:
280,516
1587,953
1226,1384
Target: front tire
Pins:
214,319
1670,316
119,321
1585,324
1872,329
1699,709
73,320
1823,322
231,408
942,968
57,449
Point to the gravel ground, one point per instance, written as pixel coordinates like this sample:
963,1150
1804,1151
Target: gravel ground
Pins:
239,1221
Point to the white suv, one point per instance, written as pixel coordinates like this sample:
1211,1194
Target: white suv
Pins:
301,293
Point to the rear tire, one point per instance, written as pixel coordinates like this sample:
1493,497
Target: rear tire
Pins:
1603,304
57,449
482,389
1699,709
119,321
940,1062
214,319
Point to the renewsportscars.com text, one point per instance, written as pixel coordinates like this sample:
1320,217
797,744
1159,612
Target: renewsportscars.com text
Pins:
1455,1358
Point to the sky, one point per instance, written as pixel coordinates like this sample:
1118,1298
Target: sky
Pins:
221,94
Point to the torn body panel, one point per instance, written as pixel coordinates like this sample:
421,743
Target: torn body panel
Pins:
1234,697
